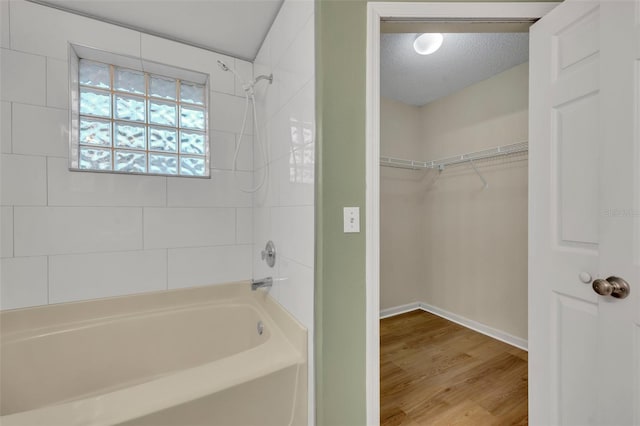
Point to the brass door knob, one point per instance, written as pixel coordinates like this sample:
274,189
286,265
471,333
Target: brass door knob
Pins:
612,286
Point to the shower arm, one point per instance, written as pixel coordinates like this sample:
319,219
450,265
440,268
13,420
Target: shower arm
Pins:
246,86
269,78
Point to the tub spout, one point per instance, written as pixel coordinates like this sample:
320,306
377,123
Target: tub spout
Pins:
264,282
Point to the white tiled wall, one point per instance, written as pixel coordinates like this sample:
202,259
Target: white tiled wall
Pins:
48,138
23,77
24,281
70,236
87,276
284,208
41,231
4,24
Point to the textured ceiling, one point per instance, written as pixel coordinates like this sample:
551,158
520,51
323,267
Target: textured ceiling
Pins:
233,27
463,59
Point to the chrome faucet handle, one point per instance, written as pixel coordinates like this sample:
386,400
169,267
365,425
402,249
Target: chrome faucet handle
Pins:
269,254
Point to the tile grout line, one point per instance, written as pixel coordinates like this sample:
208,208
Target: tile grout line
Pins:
46,175
46,82
9,12
142,228
236,224
127,251
166,206
38,105
235,79
48,283
13,231
295,37
311,80
11,130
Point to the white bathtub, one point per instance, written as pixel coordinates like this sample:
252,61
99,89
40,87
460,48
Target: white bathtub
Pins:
183,357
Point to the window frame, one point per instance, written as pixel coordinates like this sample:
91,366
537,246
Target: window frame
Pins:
78,52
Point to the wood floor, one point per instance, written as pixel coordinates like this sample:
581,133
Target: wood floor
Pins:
436,372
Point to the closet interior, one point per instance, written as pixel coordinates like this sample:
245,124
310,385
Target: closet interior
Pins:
453,235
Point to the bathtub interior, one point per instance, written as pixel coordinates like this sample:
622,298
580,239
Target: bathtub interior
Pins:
82,360
85,350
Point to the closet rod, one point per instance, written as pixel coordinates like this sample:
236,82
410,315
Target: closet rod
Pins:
498,151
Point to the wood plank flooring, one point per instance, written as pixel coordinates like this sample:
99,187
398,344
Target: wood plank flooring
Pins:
436,372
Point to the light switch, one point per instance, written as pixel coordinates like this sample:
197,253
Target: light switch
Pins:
351,219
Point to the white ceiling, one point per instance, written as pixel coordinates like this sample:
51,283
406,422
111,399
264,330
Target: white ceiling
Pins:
233,27
238,27
463,59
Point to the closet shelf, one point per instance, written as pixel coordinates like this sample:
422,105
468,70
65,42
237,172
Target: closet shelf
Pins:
498,151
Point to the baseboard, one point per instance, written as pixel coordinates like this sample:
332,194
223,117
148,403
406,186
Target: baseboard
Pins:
397,310
458,319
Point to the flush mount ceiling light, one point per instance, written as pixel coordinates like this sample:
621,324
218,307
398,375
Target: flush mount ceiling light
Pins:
428,43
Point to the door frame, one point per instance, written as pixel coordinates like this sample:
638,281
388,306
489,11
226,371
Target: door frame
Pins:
376,11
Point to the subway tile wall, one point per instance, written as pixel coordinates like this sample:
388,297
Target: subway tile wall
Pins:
283,210
68,236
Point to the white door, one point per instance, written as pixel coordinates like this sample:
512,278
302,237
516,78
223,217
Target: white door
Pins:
584,348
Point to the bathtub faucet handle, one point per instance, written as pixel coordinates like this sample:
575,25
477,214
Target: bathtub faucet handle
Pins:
269,253
263,282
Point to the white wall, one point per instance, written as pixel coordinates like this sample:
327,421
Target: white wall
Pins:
284,208
70,236
473,258
401,196
476,240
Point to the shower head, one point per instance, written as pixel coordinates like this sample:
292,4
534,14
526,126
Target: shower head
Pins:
223,65
248,87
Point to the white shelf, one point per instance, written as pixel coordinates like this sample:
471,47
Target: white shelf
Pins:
498,151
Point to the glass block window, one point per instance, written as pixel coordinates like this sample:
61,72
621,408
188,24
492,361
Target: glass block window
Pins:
131,121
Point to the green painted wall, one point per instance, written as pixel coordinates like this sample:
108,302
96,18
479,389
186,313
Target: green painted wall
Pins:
340,174
340,258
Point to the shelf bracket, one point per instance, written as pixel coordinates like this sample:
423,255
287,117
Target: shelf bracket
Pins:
475,169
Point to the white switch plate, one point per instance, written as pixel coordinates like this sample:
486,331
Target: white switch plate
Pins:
351,219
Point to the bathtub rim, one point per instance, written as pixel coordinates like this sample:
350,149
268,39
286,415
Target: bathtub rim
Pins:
86,323
59,314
